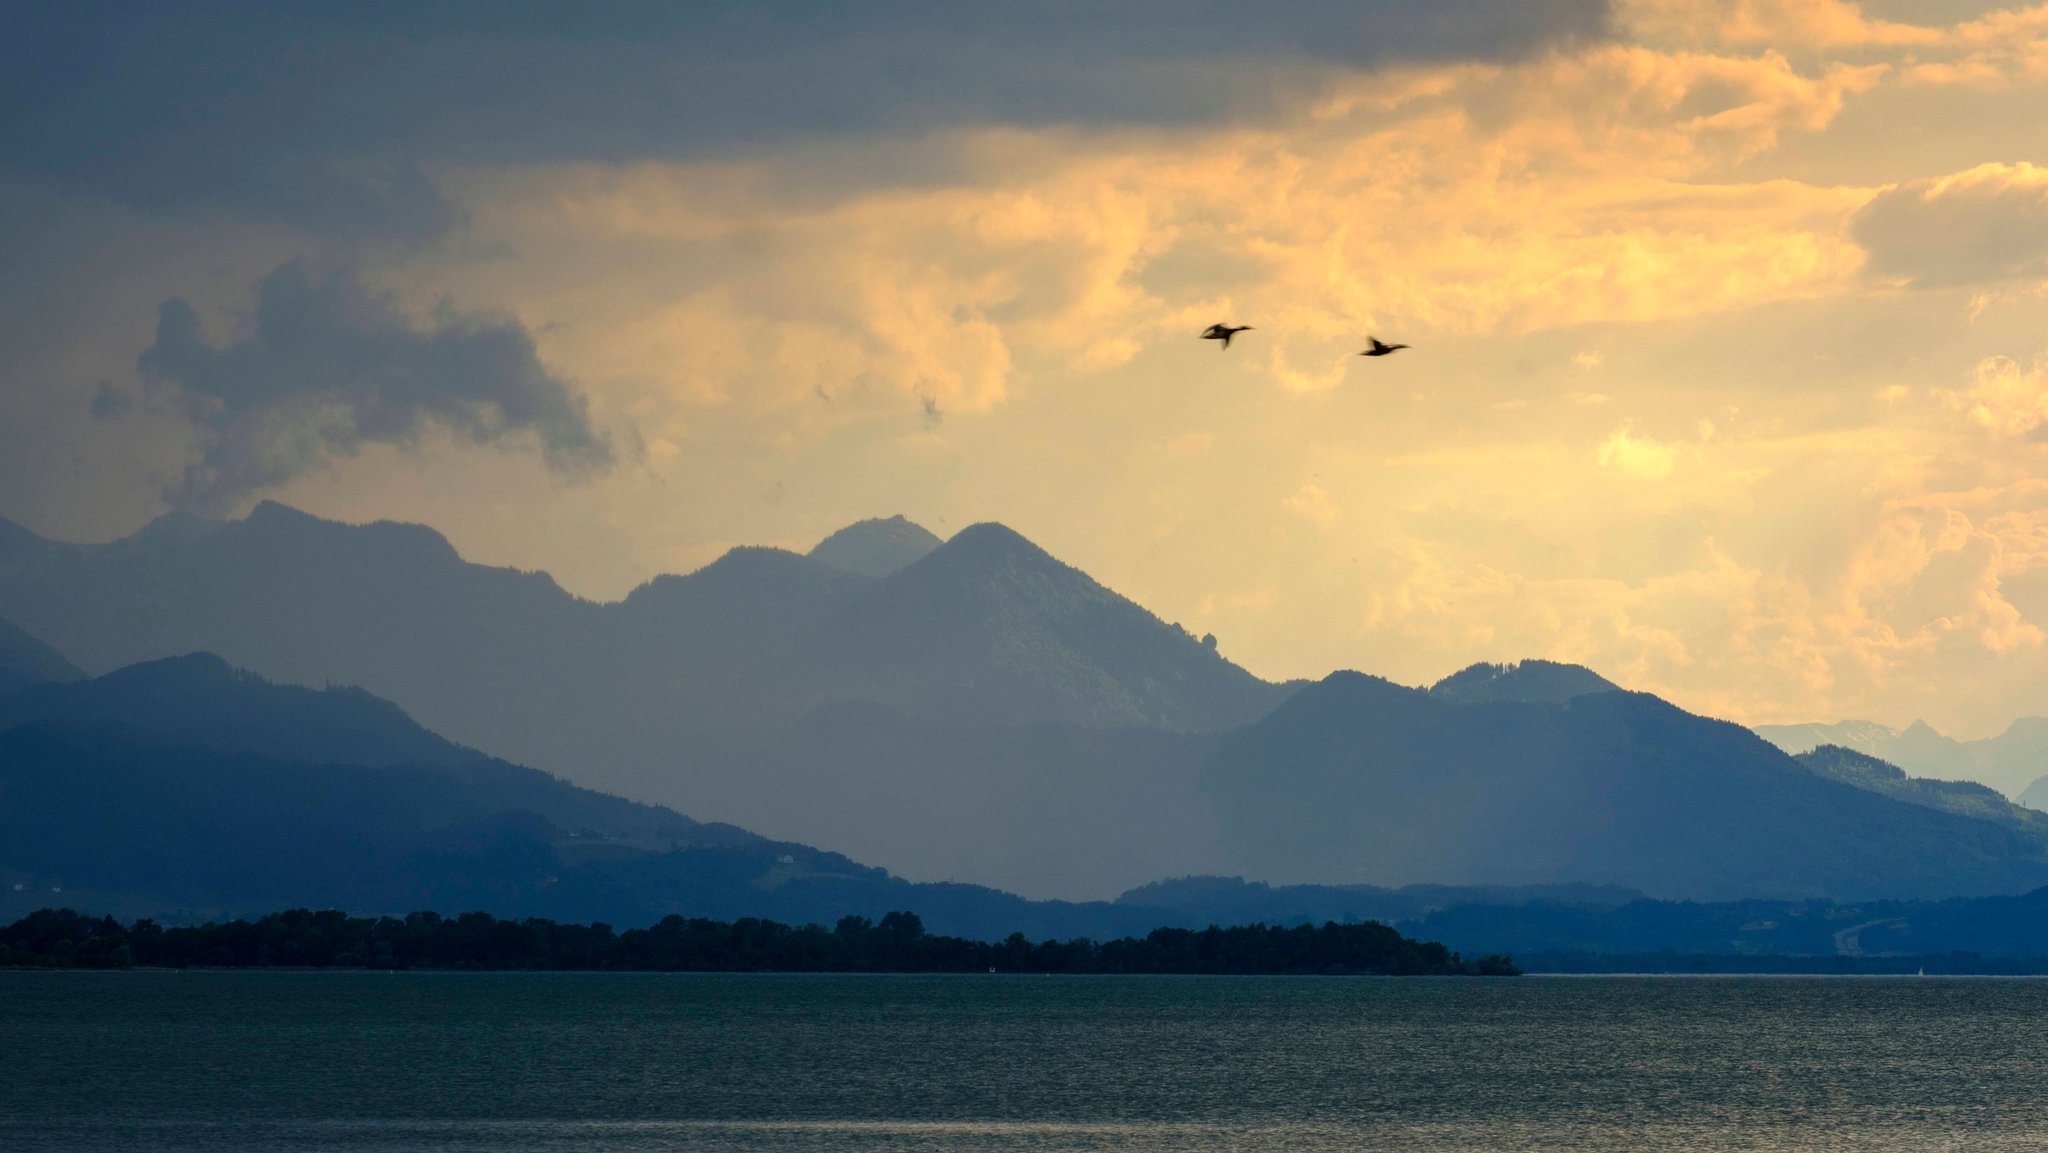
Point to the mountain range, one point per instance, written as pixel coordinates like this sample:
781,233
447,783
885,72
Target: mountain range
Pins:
1359,780
982,629
185,788
969,710
2011,762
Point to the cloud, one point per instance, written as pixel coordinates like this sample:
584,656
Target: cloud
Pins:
327,117
1314,505
1987,223
330,366
1423,204
109,402
1638,456
1776,24
2005,398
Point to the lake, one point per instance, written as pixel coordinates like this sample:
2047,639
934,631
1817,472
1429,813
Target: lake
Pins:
517,1062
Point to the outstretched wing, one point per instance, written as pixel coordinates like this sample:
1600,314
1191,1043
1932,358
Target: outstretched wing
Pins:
1213,332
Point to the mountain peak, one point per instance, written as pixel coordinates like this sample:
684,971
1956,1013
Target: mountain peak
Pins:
743,567
875,547
392,538
993,541
202,699
992,628
1538,681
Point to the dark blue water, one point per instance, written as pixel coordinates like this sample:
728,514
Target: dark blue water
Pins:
366,1061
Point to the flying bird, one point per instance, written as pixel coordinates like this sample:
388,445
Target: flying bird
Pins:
1381,348
1224,332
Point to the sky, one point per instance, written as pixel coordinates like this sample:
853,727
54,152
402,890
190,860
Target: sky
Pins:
1729,373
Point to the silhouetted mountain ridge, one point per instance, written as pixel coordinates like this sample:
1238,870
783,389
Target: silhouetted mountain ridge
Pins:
875,548
185,784
1530,680
201,700
2010,762
984,627
1966,798
991,628
1358,780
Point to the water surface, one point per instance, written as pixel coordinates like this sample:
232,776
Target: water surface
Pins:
518,1062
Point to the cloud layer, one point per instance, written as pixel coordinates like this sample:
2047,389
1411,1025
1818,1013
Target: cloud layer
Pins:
1726,316
1987,224
326,117
329,367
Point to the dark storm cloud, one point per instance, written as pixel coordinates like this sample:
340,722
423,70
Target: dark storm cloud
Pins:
330,367
323,115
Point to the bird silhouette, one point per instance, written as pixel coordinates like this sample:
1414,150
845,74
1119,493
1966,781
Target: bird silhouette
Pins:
1224,332
1381,348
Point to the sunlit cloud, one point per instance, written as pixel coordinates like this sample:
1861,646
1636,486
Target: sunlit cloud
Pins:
1692,397
2006,398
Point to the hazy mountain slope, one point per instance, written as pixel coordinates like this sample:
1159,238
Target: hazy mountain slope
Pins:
990,628
985,628
1965,798
186,785
2019,754
25,661
2035,796
197,706
1866,737
875,548
2009,762
1532,680
747,603
201,700
100,822
499,659
1043,810
212,830
1356,780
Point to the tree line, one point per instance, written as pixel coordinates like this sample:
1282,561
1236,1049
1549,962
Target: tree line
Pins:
304,938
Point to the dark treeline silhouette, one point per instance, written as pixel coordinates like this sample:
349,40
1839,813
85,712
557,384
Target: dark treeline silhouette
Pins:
301,938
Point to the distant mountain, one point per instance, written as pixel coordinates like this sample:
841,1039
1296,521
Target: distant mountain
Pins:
1042,809
202,701
1532,680
1867,737
989,628
986,627
875,548
185,787
2009,762
24,661
2035,796
1964,798
1357,780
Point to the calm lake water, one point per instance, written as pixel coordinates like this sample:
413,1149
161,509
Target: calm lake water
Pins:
367,1061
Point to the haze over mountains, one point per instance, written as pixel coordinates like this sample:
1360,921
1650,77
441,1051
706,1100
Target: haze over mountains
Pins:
24,661
187,787
2010,762
1357,779
986,628
971,710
